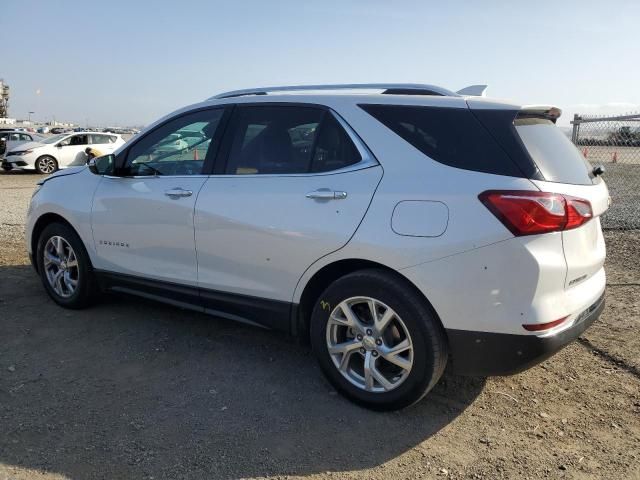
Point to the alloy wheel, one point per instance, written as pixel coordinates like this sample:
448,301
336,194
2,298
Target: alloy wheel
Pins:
369,344
47,165
61,266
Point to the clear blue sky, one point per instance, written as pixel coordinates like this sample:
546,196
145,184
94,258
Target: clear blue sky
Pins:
128,62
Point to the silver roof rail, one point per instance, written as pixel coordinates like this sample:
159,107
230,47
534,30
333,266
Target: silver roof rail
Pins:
396,88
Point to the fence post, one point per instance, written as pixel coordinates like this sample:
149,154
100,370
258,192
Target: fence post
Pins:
576,128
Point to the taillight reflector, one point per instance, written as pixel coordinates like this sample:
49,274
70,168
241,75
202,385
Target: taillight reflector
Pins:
536,327
529,212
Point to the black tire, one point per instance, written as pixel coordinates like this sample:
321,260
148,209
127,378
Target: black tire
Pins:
427,337
7,169
85,290
43,162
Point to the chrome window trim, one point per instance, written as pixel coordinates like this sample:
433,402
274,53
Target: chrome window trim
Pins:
276,175
138,177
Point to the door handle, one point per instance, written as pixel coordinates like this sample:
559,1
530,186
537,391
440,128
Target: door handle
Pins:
326,194
178,192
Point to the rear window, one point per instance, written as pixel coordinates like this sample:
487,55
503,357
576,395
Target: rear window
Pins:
102,139
557,158
452,136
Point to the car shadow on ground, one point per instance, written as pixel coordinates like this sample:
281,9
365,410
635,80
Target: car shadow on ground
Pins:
18,171
131,388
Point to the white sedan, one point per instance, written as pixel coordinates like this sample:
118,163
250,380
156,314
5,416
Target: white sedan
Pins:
12,138
59,151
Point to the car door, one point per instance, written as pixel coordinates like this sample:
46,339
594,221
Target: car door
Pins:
294,186
70,151
142,218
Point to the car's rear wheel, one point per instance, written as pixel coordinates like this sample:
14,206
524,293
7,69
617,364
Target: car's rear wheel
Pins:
46,164
64,266
377,340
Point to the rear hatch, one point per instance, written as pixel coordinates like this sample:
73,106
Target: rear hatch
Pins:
554,165
566,171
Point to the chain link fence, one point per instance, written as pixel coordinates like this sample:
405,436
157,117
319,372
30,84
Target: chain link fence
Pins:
614,142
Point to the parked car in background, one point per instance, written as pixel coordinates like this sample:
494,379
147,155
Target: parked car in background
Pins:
43,130
58,130
398,231
60,151
12,138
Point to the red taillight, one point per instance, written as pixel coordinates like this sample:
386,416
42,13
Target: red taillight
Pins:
578,212
536,327
530,213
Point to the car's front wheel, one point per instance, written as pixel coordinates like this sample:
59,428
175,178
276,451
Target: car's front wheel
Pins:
377,340
46,164
64,266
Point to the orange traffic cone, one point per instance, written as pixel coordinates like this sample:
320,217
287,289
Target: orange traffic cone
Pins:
195,154
585,152
615,156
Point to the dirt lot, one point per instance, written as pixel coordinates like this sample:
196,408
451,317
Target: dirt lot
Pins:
133,389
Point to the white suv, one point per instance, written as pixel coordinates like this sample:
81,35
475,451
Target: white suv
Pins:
398,231
60,151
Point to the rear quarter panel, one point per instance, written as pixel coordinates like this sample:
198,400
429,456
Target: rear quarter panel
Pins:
411,175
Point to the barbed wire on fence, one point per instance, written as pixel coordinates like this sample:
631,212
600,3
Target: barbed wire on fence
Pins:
614,142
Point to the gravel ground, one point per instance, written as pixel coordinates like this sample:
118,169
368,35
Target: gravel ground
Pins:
133,389
624,187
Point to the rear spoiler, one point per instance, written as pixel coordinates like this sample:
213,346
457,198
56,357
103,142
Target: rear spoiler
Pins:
473,91
540,111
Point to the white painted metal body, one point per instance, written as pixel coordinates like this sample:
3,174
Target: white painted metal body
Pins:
259,235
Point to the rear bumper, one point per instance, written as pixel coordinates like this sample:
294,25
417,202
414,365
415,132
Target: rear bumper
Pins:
487,354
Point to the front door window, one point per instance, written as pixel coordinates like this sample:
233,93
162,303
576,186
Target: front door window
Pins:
178,147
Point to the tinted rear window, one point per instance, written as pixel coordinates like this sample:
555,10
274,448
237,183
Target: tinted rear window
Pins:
557,158
452,136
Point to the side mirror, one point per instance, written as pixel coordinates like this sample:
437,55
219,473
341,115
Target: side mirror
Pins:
104,165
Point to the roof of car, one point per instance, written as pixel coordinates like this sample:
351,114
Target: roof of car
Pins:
399,93
385,88
343,95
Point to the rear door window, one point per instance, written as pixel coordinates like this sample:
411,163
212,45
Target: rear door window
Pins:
273,139
334,149
282,139
99,139
452,136
557,158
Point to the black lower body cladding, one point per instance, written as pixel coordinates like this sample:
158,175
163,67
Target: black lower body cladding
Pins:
488,354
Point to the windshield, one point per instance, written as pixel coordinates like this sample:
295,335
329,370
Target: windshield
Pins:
54,139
